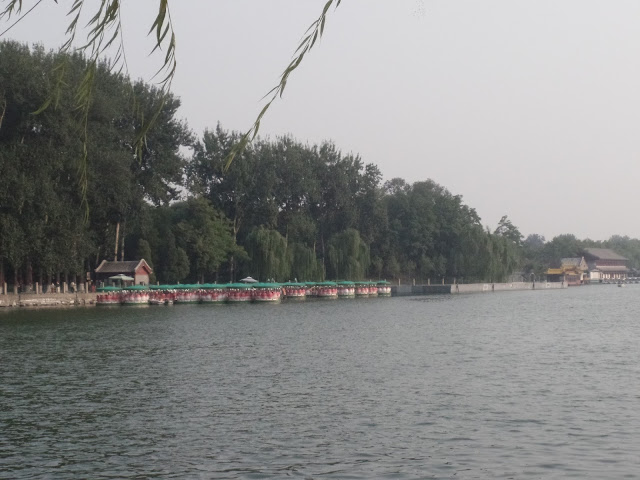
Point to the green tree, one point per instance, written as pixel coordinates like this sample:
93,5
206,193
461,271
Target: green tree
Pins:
562,246
508,230
39,158
205,235
348,255
304,265
533,255
268,255
625,246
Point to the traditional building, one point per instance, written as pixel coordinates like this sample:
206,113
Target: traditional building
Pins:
572,271
138,270
556,275
578,269
606,265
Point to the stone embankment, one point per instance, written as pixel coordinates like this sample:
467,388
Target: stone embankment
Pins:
409,290
46,299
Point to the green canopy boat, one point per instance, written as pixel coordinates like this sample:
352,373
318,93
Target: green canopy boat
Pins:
384,288
108,289
137,287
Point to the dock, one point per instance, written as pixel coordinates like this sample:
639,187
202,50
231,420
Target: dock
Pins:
461,288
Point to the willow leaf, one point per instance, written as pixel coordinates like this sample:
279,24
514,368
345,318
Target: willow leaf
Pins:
309,39
44,106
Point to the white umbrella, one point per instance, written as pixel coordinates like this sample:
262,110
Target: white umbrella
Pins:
122,277
249,280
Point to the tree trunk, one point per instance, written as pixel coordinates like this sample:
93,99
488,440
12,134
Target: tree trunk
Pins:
122,243
232,260
4,109
324,267
115,252
28,280
2,273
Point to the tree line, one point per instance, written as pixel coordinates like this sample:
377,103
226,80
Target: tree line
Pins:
282,210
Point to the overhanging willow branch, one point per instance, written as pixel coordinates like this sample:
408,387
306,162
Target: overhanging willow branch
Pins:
313,34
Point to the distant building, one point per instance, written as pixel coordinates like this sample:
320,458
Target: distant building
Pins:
606,265
139,270
578,269
572,271
595,275
556,275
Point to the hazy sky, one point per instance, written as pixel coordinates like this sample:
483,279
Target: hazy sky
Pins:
529,109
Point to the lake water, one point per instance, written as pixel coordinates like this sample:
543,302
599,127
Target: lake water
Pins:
516,385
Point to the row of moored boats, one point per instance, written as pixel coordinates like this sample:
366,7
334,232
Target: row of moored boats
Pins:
238,292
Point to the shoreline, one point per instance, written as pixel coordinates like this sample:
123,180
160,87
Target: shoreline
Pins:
47,299
31,300
460,288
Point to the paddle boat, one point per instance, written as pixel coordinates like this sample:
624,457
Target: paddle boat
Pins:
161,294
135,295
266,292
108,296
362,289
346,289
327,290
294,290
213,293
310,289
239,292
384,288
187,294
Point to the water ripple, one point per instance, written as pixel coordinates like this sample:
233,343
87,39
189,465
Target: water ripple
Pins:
513,385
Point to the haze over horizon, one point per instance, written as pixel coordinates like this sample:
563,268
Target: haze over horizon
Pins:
526,109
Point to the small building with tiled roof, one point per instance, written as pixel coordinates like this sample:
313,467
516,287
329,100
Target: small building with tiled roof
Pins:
139,270
609,264
572,271
576,269
578,262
